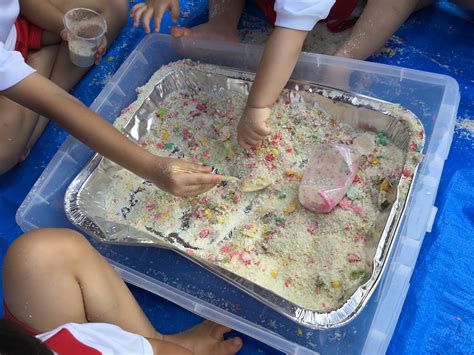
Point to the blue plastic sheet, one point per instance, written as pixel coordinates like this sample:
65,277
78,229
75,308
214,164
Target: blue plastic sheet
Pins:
438,315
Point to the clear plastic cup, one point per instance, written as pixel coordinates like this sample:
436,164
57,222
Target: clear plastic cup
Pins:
86,29
329,174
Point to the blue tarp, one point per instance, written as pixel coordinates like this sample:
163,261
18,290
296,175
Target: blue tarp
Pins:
438,315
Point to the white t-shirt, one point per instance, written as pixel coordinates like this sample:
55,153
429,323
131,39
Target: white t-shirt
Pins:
301,14
95,339
13,68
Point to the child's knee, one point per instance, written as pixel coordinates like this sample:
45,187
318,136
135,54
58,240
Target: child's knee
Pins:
116,11
47,248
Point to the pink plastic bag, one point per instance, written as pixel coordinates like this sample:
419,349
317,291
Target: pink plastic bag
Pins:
327,177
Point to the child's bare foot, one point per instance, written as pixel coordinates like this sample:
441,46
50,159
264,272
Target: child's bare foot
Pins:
206,338
208,30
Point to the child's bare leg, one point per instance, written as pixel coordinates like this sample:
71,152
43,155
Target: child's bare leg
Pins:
64,73
18,123
224,16
60,265
47,39
54,276
379,20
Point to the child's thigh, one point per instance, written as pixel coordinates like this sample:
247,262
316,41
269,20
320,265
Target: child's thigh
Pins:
17,122
16,126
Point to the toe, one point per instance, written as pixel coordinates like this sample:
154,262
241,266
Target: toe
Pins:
218,331
180,32
231,346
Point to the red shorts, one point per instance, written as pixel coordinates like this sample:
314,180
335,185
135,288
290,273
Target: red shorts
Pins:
338,19
28,36
8,315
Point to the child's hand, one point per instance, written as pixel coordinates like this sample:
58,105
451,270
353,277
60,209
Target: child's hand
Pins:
197,180
253,126
154,8
99,51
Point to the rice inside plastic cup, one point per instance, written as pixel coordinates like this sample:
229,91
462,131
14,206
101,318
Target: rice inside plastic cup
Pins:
86,29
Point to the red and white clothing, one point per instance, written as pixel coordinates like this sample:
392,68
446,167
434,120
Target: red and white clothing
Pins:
13,68
87,338
94,339
301,14
304,14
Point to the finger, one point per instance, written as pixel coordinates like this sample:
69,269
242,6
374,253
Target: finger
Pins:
100,51
64,35
218,331
253,135
146,19
138,16
158,18
135,8
252,141
174,9
230,346
253,144
242,142
196,167
245,145
200,179
262,130
103,45
98,57
99,54
197,189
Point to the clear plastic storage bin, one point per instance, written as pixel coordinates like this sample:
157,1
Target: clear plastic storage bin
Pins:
433,98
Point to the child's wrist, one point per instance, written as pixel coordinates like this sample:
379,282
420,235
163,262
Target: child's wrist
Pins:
257,109
255,102
150,165
252,107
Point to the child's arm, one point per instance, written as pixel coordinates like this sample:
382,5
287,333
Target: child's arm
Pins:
277,64
154,8
294,19
46,98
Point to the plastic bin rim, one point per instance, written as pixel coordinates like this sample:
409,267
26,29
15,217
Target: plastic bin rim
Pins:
347,63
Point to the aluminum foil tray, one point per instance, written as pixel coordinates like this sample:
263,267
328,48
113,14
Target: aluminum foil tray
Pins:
85,209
